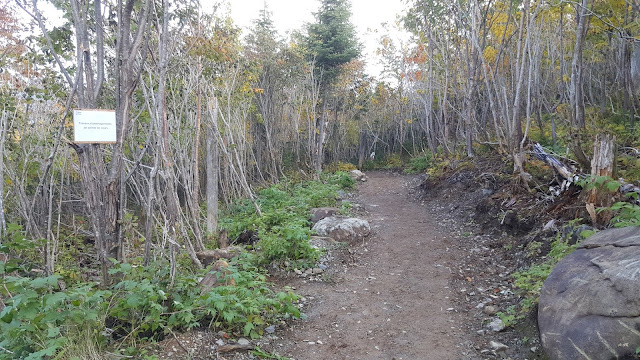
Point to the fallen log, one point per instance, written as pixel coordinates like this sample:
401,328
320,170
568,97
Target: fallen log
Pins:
567,172
234,347
570,175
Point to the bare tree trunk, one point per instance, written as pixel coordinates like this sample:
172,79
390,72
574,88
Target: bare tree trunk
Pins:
173,208
319,145
4,125
195,200
362,148
213,170
151,200
602,164
576,96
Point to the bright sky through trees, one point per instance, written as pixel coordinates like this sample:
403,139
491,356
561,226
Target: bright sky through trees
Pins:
368,17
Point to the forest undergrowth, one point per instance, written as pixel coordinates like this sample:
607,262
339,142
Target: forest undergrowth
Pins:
63,317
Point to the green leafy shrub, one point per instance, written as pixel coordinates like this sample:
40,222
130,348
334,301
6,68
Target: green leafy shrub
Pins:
288,242
393,161
284,227
342,179
249,305
147,304
528,283
598,182
40,320
419,164
627,214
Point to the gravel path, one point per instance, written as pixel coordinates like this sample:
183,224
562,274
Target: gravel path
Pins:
392,301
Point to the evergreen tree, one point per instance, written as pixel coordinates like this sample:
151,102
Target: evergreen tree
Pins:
332,39
332,43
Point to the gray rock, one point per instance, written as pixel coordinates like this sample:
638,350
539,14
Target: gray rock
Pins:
497,346
316,271
321,242
590,303
342,228
490,310
496,325
550,224
341,194
358,175
243,342
318,214
573,234
270,329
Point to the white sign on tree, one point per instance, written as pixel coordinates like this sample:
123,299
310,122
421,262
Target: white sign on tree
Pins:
94,126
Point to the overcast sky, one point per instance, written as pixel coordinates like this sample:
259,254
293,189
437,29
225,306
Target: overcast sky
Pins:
288,15
367,15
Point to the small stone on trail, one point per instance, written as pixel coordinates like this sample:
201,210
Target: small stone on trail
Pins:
297,271
270,329
219,342
498,346
243,342
490,310
316,271
496,325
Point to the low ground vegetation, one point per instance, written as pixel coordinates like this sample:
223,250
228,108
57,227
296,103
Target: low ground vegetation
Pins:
64,317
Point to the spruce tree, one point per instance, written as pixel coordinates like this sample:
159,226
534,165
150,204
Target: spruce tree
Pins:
332,39
332,43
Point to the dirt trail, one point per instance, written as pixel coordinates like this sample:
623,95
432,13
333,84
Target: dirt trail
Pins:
392,302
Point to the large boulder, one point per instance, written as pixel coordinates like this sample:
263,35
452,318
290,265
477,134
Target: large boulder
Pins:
358,175
590,304
318,214
342,228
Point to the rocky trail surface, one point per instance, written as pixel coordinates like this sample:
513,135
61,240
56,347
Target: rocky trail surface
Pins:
427,284
391,299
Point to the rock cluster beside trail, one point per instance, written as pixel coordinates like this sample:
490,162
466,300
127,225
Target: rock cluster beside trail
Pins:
342,228
358,175
590,304
318,214
208,257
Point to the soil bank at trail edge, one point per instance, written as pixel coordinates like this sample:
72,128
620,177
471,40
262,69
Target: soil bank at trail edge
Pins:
394,300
